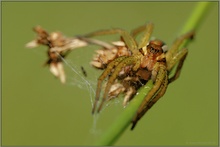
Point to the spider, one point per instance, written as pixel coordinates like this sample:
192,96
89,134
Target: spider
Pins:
127,83
145,56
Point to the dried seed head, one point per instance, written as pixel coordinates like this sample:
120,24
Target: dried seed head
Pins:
58,47
57,70
32,44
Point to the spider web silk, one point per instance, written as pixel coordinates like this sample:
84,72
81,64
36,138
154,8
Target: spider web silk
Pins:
82,82
76,78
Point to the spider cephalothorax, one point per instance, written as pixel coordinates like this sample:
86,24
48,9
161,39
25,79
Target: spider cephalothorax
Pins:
152,53
147,60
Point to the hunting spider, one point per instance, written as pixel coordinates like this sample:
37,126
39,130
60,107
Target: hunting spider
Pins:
127,82
145,55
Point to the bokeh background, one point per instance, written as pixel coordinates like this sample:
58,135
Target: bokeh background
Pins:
38,110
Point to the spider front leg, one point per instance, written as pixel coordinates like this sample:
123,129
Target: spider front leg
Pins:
128,39
175,56
146,30
96,42
173,51
158,90
179,57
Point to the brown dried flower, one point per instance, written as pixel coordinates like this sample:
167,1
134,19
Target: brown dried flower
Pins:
58,47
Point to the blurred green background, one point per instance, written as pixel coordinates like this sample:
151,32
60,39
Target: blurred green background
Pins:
38,110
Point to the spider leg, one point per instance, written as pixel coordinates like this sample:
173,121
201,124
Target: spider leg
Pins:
105,32
103,76
146,35
136,31
129,40
174,48
126,62
147,31
96,42
179,57
161,78
160,93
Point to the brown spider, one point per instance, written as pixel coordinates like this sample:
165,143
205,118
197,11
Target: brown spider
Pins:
146,57
127,82
58,47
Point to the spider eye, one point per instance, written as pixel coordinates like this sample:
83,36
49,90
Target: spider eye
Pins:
153,50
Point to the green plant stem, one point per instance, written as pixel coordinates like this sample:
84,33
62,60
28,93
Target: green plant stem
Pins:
124,119
195,19
197,16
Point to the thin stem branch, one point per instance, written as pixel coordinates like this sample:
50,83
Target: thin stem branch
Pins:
124,119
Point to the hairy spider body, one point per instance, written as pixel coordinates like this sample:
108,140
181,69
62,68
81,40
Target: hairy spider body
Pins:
127,82
147,59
